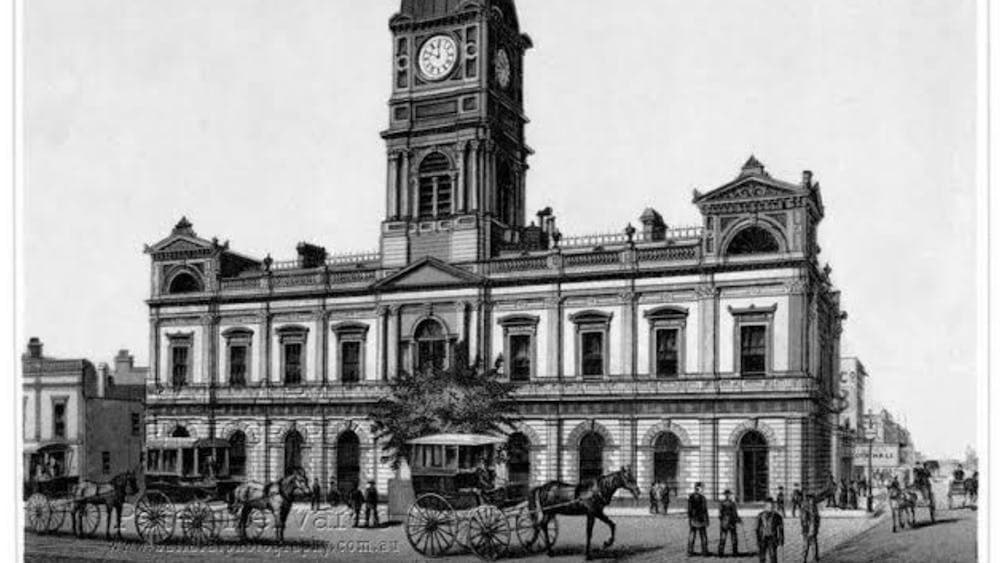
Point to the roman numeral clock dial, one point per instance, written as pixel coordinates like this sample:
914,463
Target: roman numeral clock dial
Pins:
438,57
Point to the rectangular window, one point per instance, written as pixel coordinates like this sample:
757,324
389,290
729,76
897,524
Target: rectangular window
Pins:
753,350
350,361
179,356
667,363
592,354
106,463
136,424
520,357
153,460
59,419
293,363
426,203
170,461
237,365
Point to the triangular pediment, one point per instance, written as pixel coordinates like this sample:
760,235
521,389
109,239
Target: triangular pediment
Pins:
749,188
180,243
429,272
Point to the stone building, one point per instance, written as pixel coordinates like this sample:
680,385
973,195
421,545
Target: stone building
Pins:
890,448
706,353
76,422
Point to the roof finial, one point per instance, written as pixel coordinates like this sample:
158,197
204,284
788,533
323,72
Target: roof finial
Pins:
752,167
184,227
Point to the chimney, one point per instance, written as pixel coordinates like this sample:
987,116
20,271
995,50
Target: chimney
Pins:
123,362
35,348
807,179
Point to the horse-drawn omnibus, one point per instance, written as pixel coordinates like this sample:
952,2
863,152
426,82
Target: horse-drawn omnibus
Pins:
48,489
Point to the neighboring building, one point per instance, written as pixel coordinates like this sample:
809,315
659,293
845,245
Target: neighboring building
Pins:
77,423
850,435
891,449
707,353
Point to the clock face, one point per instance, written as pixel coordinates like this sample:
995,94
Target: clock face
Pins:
503,68
438,57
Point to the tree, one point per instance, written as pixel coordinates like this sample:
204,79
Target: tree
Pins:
431,401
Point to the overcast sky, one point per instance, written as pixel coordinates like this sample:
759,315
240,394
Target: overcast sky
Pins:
259,120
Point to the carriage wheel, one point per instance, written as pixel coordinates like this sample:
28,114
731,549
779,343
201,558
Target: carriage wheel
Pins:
198,523
90,519
431,525
154,517
529,530
37,513
462,534
489,533
256,524
59,510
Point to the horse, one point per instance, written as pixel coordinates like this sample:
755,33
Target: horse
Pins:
276,497
971,488
901,503
110,495
586,499
922,486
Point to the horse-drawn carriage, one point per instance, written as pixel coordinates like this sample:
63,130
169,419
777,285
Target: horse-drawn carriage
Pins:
48,491
454,507
189,480
965,488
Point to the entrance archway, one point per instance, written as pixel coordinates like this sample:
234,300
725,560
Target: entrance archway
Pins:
348,462
753,468
591,457
666,458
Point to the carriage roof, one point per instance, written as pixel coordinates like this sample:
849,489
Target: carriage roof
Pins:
457,440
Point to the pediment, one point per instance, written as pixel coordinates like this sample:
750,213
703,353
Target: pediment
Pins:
181,244
749,189
429,272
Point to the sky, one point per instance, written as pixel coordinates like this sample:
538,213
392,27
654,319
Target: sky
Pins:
259,121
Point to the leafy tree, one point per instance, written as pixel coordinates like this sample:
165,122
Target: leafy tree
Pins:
431,401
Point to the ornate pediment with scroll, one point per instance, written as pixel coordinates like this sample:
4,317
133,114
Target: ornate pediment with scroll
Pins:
429,272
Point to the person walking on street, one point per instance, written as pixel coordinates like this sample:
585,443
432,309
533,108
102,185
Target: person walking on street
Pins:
852,495
697,520
843,495
654,498
316,495
780,501
770,533
356,500
831,501
796,499
371,503
810,528
664,498
728,519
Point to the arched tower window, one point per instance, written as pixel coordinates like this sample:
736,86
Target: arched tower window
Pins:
432,345
591,457
435,186
184,283
753,240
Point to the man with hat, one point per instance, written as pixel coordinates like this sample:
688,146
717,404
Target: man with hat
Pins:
371,503
698,520
810,527
728,519
770,533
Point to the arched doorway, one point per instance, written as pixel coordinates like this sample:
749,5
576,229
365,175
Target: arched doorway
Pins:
753,469
238,454
348,462
432,345
519,461
666,458
293,451
591,457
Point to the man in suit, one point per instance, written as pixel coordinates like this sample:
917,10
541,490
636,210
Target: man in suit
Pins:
356,499
796,499
810,528
371,503
728,519
770,533
698,520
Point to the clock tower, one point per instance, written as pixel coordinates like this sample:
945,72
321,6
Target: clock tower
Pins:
457,157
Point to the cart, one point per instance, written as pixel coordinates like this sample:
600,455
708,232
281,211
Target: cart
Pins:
453,510
48,492
187,480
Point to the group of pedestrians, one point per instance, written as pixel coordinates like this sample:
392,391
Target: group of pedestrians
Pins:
659,498
358,500
769,525
848,493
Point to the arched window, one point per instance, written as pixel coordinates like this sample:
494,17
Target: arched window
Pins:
753,467
753,240
666,458
432,345
506,193
238,454
519,461
180,432
348,463
293,451
591,457
184,283
435,195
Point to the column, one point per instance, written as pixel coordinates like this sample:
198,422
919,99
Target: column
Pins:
380,347
265,347
208,371
475,183
392,187
322,346
154,351
628,335
553,337
456,188
489,191
462,314
404,185
460,187
392,343
708,329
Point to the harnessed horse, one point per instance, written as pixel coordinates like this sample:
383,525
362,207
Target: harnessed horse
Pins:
276,497
586,499
111,495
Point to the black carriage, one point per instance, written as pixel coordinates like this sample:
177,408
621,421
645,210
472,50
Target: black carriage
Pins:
454,509
187,480
48,491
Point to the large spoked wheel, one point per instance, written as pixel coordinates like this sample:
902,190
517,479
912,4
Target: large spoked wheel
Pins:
59,508
489,533
199,524
37,512
256,524
431,525
90,519
154,517
528,528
